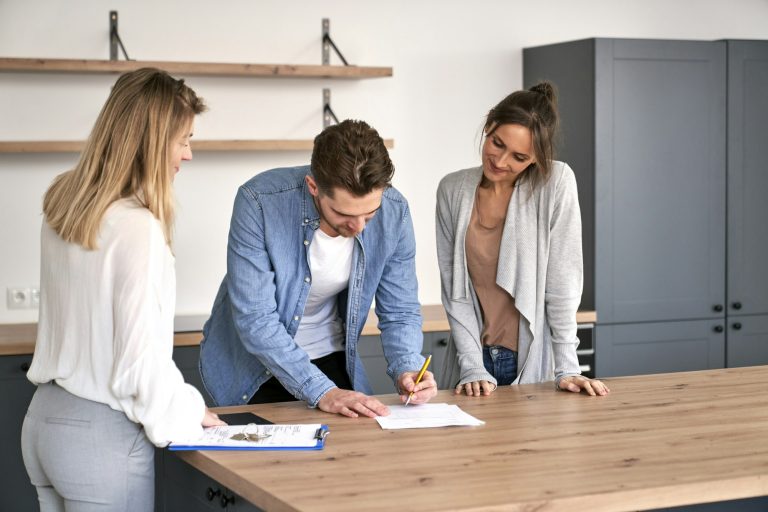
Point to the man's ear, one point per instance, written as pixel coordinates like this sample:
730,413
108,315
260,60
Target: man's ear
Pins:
313,189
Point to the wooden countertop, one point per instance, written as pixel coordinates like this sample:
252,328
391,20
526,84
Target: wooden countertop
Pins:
19,339
655,441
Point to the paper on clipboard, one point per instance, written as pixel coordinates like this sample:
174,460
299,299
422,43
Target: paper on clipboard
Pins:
257,437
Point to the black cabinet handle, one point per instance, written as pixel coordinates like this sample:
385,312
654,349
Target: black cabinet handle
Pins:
718,328
210,493
442,342
226,500
717,307
737,326
24,367
736,305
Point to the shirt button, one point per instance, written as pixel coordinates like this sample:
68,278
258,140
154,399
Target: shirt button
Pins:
306,242
268,373
296,317
306,220
306,279
245,397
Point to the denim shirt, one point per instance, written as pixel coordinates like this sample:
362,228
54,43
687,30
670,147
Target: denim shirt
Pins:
259,306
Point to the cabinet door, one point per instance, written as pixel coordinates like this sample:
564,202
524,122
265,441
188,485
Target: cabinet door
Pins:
188,489
16,492
372,355
643,348
187,360
436,343
659,179
747,340
747,177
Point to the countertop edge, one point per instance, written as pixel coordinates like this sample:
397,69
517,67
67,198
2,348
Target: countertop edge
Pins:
19,339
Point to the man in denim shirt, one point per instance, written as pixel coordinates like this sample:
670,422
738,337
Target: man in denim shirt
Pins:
309,248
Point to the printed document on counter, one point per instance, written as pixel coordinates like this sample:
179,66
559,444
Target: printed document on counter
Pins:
426,416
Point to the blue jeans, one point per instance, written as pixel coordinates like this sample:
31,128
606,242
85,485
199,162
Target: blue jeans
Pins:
500,362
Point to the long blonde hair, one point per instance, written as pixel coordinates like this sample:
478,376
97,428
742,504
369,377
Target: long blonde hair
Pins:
127,154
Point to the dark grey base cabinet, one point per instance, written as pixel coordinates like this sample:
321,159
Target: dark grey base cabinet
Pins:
747,341
660,347
746,505
187,489
187,359
372,355
436,343
16,492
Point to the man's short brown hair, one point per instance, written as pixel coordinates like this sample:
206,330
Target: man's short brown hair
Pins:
351,155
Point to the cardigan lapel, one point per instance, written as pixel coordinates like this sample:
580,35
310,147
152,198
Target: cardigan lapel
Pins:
462,214
517,268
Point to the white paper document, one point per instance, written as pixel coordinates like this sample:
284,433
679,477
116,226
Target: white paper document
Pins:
426,416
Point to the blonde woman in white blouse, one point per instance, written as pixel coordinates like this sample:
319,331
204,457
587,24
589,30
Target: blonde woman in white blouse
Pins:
107,386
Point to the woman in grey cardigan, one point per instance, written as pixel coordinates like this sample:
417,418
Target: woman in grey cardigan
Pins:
509,250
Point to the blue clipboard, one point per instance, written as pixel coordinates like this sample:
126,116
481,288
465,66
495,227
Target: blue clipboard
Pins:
319,436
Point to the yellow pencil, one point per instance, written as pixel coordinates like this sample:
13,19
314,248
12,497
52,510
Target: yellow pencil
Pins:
418,377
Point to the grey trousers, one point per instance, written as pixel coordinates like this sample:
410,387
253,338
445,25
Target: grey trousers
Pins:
84,456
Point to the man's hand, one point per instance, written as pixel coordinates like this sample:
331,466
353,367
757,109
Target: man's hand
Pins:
351,403
424,390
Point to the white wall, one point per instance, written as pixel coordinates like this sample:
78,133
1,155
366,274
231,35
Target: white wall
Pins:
452,61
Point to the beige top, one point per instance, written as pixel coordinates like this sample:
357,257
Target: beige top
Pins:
501,319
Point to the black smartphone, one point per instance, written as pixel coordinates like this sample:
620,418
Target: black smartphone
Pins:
243,418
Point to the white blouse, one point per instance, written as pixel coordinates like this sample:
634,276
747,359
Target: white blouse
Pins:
105,331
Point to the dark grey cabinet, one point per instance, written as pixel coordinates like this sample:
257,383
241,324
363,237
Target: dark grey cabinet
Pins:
747,177
660,347
664,138
185,488
372,355
16,492
187,359
747,340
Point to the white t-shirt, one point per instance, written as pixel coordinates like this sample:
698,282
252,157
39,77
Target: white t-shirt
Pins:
330,262
106,323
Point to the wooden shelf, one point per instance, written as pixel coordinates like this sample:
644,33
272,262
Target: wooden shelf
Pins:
75,146
194,68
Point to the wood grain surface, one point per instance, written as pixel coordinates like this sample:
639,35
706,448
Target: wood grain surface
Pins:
19,339
655,441
193,68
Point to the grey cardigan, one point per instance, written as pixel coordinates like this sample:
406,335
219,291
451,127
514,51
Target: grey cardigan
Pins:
540,265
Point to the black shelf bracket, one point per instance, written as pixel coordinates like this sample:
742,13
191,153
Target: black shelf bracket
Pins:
328,112
114,38
328,44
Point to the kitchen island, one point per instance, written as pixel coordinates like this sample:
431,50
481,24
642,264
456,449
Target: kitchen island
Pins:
656,441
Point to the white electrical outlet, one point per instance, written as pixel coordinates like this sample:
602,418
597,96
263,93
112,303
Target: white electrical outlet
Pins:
22,297
34,298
